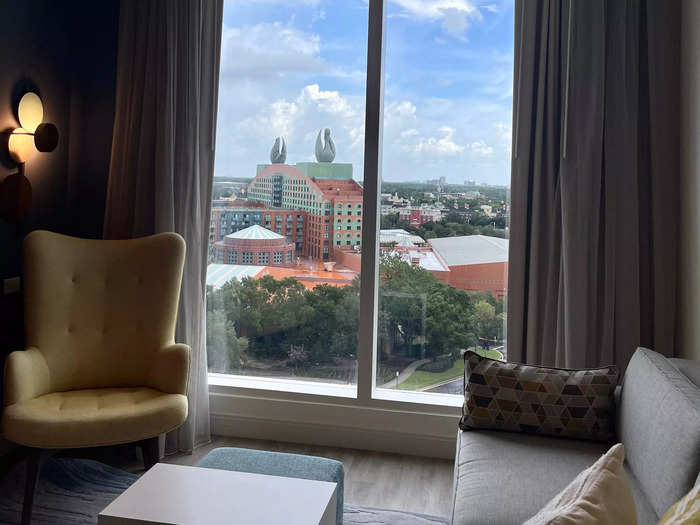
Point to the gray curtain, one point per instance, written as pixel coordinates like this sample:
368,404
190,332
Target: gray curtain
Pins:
162,160
594,202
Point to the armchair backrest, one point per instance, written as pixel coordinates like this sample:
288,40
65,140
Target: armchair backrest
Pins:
98,310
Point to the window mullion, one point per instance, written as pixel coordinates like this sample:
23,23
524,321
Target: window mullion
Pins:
370,202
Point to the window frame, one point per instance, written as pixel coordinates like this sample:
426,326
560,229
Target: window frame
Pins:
429,417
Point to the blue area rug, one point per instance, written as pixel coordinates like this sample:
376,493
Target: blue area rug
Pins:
74,491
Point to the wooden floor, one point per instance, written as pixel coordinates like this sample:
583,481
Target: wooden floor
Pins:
373,479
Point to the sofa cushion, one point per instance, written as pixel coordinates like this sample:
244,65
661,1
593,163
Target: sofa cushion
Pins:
600,494
538,400
503,478
659,424
689,368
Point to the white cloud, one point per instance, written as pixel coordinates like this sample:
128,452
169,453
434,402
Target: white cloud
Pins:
503,129
456,15
481,149
300,118
269,49
327,101
401,109
443,146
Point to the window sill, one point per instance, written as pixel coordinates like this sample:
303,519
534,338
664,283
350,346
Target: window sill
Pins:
382,397
283,385
423,398
327,414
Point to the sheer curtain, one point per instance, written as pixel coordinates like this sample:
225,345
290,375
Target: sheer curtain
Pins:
594,217
162,160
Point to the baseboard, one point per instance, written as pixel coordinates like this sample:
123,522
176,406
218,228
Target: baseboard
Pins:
334,435
334,423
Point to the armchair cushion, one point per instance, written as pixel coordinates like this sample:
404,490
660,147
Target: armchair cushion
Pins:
93,417
26,376
170,369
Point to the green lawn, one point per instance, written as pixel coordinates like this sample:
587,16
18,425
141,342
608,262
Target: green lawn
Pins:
491,354
421,378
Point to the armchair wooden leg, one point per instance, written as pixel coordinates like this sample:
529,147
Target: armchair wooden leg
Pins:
151,454
34,460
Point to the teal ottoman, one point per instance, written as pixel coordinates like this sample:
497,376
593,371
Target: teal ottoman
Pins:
279,464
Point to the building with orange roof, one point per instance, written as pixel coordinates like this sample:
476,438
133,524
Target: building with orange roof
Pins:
325,191
255,245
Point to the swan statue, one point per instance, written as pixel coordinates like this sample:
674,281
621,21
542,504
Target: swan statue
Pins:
325,152
278,153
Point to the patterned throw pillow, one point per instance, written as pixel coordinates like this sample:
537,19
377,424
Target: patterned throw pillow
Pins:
538,400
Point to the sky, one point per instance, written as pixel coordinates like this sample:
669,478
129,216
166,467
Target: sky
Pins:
292,67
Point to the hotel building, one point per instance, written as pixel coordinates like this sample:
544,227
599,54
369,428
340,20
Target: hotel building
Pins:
325,193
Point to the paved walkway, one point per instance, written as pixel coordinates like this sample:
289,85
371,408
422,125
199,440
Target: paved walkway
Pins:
451,386
404,374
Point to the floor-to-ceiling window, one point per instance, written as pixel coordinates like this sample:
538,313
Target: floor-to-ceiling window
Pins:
358,237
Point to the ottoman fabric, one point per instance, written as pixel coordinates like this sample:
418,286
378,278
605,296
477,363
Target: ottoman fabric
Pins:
279,464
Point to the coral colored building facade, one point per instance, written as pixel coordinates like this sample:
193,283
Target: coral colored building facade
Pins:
420,215
326,192
487,277
255,245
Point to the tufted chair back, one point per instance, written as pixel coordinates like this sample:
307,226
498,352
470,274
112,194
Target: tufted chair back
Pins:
98,310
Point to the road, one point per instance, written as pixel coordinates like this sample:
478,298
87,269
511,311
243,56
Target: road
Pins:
453,386
405,374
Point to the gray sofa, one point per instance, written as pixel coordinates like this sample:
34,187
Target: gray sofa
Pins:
505,478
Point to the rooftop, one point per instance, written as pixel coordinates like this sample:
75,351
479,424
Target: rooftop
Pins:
400,237
310,278
471,249
342,188
427,259
219,274
255,232
309,274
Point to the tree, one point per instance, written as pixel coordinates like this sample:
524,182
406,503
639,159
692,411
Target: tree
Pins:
489,325
224,349
331,329
283,322
414,304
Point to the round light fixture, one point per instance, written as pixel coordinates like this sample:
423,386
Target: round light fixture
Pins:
30,112
20,145
46,137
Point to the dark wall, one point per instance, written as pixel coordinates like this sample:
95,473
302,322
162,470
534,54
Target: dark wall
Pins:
93,47
68,51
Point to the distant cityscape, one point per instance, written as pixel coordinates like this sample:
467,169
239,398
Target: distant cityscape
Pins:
285,250
308,218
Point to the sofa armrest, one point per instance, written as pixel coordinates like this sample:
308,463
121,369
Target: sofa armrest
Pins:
171,369
26,376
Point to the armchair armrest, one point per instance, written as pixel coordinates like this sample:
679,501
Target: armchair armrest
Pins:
26,376
171,369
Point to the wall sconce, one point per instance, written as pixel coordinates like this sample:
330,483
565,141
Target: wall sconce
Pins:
16,190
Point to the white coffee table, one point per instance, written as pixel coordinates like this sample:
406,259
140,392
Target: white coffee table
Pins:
174,494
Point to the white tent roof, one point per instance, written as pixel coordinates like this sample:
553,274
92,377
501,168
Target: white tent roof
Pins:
471,249
254,232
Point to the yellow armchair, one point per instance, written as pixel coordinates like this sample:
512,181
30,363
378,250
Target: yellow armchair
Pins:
101,365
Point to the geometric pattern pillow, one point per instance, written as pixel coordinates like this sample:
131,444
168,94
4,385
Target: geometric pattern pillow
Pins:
538,400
